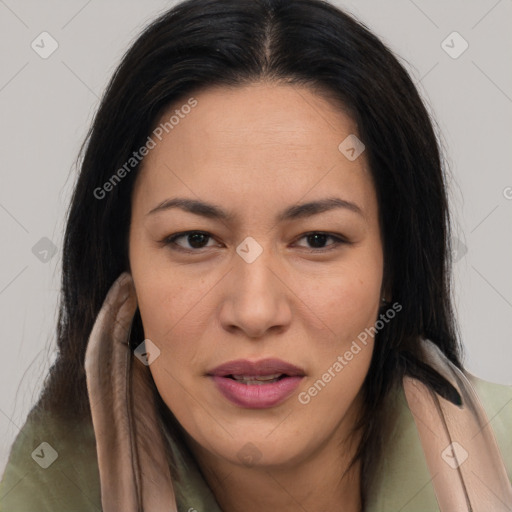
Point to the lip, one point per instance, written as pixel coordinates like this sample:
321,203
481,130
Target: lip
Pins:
256,396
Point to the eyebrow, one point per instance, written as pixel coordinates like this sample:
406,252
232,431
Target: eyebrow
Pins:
298,211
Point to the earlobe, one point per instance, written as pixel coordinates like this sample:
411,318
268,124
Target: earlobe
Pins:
385,294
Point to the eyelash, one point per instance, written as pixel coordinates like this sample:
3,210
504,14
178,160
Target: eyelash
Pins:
171,241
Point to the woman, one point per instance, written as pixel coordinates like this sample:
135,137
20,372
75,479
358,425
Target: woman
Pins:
256,303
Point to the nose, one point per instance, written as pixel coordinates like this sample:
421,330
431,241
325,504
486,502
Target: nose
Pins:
257,299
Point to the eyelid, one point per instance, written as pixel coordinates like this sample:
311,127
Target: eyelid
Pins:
338,240
170,240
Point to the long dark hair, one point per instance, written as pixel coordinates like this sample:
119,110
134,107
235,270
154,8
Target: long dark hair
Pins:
201,43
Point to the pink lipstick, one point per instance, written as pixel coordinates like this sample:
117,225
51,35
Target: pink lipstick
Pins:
256,385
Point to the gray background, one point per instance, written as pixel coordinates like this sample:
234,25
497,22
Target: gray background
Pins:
47,106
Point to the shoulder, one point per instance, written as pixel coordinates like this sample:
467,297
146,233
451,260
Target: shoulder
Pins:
496,399
52,466
403,481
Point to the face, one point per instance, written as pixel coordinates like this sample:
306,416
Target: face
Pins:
256,276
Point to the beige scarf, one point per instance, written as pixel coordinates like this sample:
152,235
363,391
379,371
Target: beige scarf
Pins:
461,451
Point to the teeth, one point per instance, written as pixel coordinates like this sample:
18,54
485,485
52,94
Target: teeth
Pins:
257,379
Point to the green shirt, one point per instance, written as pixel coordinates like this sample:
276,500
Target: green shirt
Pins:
70,480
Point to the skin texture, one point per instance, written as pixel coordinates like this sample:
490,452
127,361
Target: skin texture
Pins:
255,150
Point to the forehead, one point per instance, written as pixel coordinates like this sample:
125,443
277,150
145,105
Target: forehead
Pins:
259,142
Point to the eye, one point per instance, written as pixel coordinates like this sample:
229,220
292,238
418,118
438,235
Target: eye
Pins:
195,239
198,239
318,238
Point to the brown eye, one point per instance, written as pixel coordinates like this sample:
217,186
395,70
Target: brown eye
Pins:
195,240
317,239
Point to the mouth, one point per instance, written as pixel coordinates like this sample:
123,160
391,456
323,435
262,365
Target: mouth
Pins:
258,380
256,385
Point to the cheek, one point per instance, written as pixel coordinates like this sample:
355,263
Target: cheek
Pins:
164,297
173,312
155,307
346,299
163,309
153,281
361,287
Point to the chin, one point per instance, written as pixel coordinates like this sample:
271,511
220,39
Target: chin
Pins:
261,450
